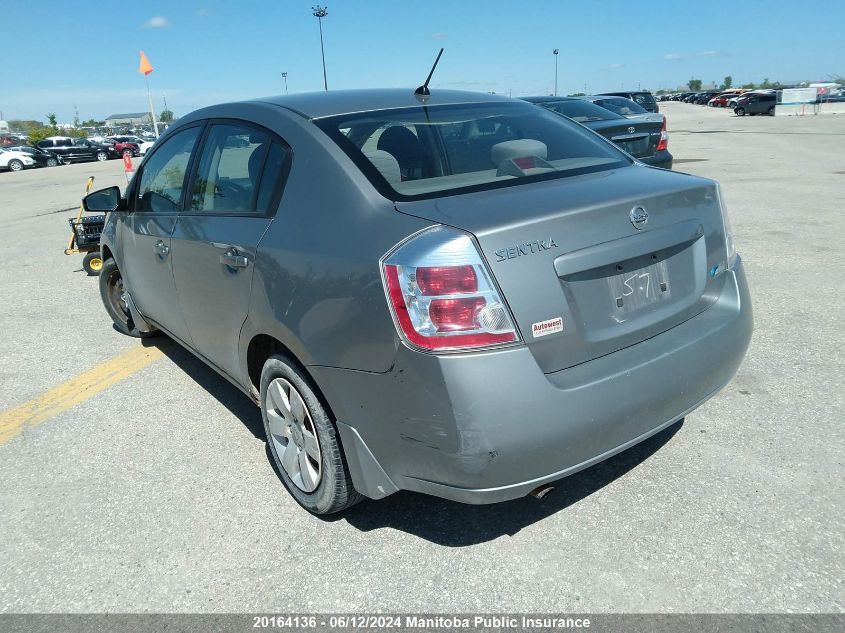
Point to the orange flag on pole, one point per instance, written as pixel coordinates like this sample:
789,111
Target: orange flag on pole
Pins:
146,67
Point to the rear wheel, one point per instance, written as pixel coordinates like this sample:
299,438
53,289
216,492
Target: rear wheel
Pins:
116,301
15,165
101,156
52,162
772,111
739,112
303,441
92,263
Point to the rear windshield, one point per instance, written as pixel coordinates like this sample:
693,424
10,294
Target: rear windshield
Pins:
581,111
426,152
621,105
644,99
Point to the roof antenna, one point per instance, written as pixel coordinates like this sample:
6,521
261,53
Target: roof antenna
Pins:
422,93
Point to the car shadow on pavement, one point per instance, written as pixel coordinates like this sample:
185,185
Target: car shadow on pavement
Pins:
455,524
225,392
440,521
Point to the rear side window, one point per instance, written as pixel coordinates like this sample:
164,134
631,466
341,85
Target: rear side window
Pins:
163,175
424,152
238,171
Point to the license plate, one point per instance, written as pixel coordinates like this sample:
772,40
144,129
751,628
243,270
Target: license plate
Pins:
640,288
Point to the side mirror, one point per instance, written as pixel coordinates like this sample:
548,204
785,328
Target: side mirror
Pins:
103,201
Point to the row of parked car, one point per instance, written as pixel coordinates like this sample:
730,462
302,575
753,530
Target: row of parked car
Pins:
58,150
741,101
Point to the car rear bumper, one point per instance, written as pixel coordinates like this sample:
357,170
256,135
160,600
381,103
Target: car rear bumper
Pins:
490,426
660,159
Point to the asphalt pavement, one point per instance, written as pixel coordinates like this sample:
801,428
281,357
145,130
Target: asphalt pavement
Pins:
156,493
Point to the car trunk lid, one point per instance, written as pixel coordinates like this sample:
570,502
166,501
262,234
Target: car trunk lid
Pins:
637,137
580,278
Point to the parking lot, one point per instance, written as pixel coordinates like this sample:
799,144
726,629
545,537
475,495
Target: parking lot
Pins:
149,487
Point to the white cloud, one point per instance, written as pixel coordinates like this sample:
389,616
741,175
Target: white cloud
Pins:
157,22
615,66
439,36
203,12
675,57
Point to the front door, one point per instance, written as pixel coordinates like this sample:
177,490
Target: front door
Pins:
154,206
238,181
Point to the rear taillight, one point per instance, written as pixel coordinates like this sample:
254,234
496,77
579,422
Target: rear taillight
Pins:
664,137
442,296
730,246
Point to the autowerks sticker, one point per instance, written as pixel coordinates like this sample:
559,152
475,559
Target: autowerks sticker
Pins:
547,327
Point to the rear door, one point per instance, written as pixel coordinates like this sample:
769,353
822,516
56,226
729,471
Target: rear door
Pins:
235,189
154,205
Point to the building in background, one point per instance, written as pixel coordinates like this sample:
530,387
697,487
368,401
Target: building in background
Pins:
131,119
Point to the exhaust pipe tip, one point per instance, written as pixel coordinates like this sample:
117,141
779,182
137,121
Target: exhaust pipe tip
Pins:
541,491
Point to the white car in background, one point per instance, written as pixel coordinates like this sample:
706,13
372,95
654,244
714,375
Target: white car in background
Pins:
15,161
144,146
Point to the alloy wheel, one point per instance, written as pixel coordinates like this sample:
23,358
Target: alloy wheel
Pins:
293,435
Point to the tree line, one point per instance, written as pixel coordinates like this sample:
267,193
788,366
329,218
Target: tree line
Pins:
39,130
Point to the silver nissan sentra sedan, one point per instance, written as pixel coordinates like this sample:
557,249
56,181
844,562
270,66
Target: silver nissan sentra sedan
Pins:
458,294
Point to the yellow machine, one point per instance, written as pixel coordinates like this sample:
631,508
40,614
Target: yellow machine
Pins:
85,237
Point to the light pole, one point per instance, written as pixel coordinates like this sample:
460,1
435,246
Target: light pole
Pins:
555,51
285,77
320,13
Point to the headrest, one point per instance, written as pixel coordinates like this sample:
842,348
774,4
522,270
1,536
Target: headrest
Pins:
387,165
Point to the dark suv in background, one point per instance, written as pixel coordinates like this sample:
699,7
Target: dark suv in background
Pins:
80,149
643,97
756,104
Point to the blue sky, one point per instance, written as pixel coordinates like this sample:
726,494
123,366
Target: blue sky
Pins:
85,53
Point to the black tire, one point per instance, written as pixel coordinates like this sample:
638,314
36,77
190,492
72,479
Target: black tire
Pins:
15,165
52,162
111,286
92,263
101,156
772,111
335,491
739,112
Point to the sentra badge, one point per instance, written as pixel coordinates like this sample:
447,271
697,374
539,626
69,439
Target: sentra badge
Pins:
528,248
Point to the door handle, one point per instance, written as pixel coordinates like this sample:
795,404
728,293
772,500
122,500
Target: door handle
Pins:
231,259
161,249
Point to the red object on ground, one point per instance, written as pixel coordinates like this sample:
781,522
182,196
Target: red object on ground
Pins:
127,162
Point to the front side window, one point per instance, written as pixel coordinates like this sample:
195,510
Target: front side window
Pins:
163,175
421,152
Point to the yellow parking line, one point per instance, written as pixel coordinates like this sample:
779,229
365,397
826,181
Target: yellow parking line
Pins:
74,391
